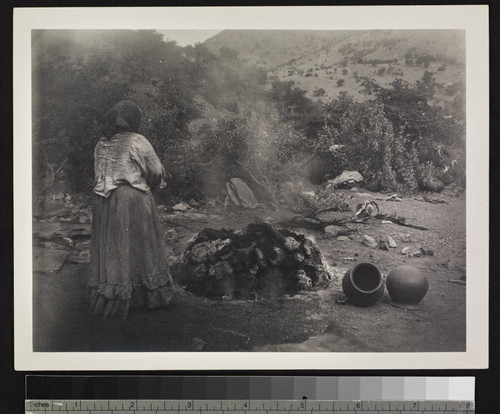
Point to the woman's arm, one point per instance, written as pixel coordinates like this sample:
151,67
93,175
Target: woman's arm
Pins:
142,152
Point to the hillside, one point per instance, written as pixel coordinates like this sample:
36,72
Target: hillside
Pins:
331,60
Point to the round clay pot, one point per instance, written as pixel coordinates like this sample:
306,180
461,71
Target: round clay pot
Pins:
363,284
407,285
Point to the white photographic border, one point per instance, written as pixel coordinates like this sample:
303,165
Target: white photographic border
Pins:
472,19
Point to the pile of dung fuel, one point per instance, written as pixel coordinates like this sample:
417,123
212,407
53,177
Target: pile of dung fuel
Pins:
257,262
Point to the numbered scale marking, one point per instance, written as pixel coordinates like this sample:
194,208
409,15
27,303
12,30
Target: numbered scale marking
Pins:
245,407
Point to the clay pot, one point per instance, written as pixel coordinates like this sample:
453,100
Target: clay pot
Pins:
407,285
363,284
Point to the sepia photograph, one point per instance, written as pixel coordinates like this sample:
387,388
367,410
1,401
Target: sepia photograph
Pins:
243,191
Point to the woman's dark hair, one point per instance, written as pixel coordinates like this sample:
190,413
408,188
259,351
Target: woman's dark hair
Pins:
125,115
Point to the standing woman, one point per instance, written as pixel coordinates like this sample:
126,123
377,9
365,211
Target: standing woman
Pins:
127,260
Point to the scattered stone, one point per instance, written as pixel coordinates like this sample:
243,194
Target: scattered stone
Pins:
291,244
351,259
406,250
390,241
433,184
68,242
347,179
305,282
181,207
48,231
393,197
369,241
343,238
309,193
170,236
418,253
83,219
53,245
48,261
81,254
386,222
433,200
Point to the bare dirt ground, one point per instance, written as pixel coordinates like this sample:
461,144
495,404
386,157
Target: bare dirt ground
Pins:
310,321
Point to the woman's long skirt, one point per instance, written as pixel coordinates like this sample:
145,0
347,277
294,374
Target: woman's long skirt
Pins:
127,260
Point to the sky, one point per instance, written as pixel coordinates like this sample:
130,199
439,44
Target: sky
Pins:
188,37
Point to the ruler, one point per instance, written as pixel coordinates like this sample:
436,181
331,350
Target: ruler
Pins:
246,407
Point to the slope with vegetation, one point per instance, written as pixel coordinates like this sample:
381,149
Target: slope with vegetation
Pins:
213,113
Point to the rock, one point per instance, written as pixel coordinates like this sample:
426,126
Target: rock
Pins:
80,255
181,207
426,251
433,184
170,236
347,178
53,245
222,269
332,230
292,244
386,222
418,253
278,256
298,256
68,242
390,241
54,230
83,219
305,281
369,241
343,238
393,197
48,261
406,250
309,194
240,194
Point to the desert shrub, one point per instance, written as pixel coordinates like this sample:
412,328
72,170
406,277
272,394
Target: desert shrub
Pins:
365,141
319,92
425,130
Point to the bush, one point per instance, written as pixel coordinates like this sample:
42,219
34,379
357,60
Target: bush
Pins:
368,144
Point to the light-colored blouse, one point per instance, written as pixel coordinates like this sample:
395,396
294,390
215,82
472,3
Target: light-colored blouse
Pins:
126,158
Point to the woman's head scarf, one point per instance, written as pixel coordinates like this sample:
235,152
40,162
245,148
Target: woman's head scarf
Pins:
125,115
